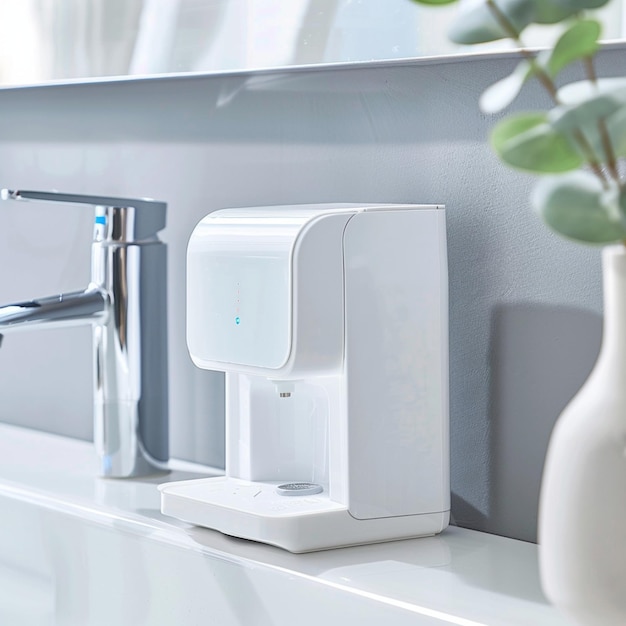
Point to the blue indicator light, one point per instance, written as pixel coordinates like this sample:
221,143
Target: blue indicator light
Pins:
237,320
101,219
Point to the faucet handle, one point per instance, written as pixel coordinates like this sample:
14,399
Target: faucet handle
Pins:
120,219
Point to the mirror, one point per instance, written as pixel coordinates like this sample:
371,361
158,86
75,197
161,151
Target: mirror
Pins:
51,40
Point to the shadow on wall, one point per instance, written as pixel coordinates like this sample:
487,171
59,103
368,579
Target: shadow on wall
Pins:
540,355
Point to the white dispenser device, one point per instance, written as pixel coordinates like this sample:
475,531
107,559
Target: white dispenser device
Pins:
331,323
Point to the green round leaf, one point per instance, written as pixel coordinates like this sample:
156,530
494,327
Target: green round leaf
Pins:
526,141
592,108
499,95
577,206
568,118
616,128
580,91
616,131
575,6
578,41
515,125
477,23
549,12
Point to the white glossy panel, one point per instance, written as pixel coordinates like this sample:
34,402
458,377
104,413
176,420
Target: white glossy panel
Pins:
396,363
318,295
264,290
255,510
239,290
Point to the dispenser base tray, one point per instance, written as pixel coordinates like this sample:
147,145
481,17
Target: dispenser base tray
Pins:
256,511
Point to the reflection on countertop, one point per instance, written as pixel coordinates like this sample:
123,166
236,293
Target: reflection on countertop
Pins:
459,577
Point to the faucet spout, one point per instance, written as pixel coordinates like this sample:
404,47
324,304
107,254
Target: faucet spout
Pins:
126,305
65,309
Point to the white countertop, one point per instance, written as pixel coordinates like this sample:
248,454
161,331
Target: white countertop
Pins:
460,577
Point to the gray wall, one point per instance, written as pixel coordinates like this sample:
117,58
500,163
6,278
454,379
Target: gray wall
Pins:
524,305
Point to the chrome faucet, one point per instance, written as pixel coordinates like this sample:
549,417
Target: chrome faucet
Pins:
125,302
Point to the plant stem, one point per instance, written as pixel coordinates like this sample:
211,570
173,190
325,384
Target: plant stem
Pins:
513,34
546,80
594,164
604,133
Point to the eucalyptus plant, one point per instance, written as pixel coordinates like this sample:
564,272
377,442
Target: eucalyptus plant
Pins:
576,144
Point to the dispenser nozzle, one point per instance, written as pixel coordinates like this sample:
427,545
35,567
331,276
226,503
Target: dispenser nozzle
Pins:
284,388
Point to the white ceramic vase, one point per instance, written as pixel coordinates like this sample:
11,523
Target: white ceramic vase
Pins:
582,512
